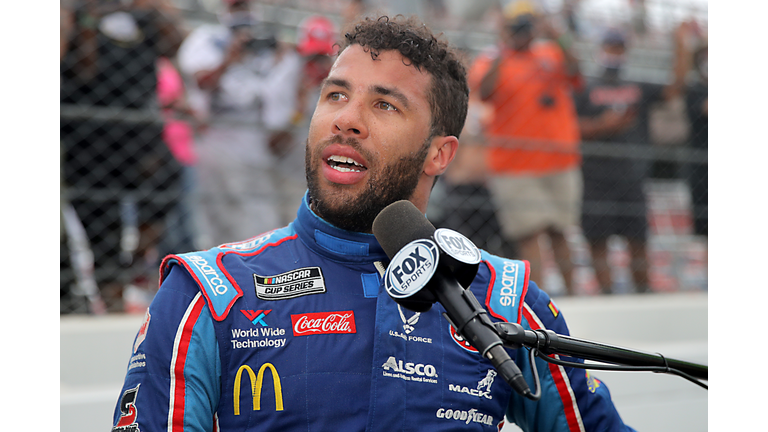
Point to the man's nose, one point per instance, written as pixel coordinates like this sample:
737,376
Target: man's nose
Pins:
350,121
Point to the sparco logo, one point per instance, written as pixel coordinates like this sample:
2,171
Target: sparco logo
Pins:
471,416
509,276
411,268
323,323
212,277
457,246
295,283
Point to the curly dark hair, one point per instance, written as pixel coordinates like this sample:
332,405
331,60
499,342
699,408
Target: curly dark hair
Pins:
449,95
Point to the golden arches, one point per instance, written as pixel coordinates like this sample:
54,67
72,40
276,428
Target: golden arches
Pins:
257,381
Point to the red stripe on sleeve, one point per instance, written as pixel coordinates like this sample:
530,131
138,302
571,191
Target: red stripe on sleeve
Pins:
179,387
561,382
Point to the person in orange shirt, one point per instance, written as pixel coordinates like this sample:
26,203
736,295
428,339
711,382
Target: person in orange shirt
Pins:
533,138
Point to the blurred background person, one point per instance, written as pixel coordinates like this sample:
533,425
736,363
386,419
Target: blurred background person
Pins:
180,122
316,36
462,201
534,136
615,110
116,167
243,83
697,108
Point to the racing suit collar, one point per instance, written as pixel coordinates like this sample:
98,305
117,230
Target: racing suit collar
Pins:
333,242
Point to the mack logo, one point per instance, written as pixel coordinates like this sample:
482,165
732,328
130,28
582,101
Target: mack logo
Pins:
457,246
411,268
257,317
209,273
257,381
323,323
509,276
483,386
292,284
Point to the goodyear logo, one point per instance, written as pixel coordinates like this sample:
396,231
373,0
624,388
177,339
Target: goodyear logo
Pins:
257,380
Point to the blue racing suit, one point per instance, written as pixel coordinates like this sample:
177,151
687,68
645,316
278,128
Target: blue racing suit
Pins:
292,330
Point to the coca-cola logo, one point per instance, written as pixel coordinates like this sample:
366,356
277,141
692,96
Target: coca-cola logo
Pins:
323,323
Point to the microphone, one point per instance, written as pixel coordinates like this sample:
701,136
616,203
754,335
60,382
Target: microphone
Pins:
428,265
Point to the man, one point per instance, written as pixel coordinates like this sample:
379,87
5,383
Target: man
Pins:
533,156
244,84
615,110
291,330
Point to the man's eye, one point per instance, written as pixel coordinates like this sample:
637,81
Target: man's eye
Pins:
335,96
386,106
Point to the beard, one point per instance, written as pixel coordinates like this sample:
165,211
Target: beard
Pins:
396,181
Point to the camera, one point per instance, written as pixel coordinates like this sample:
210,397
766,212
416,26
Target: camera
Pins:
259,36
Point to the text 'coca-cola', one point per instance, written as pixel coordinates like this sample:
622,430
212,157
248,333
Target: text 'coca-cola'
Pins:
316,323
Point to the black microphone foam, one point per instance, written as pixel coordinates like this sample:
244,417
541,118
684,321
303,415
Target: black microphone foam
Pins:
399,224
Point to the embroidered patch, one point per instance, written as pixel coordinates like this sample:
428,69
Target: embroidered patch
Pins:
552,308
317,323
292,284
592,382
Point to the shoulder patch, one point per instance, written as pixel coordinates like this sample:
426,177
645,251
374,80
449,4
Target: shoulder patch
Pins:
507,288
251,244
295,283
219,289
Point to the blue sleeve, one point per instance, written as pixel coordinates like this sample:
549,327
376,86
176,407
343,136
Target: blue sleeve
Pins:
174,370
572,399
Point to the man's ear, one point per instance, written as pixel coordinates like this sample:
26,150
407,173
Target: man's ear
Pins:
441,153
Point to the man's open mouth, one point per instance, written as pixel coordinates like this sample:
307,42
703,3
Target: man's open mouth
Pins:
344,164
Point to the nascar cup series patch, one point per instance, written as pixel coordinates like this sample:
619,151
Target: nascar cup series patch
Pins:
411,268
292,284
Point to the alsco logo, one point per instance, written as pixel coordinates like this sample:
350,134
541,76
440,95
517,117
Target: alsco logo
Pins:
257,381
323,323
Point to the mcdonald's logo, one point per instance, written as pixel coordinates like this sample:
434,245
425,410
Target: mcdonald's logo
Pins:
256,383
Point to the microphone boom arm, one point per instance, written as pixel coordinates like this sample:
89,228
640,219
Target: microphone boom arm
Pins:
548,342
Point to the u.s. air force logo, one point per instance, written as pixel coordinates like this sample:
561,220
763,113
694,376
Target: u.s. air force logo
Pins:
292,284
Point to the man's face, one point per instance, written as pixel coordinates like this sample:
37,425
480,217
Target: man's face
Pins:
368,137
519,32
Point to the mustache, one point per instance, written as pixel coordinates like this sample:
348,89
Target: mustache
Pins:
338,139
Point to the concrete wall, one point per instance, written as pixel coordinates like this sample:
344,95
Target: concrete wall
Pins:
95,352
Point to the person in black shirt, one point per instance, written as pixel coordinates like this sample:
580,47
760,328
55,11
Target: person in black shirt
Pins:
614,110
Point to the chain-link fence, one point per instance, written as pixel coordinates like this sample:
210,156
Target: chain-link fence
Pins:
143,160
